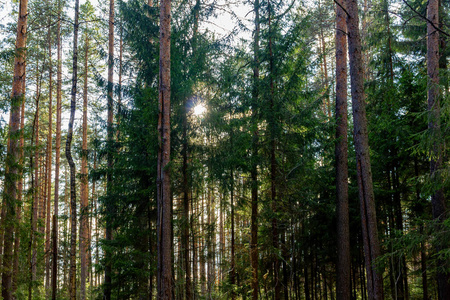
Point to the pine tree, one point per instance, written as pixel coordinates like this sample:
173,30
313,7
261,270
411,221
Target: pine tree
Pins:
13,167
164,197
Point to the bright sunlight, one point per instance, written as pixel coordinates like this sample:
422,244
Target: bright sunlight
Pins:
199,110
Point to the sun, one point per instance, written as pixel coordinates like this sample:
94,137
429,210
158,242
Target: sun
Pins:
199,109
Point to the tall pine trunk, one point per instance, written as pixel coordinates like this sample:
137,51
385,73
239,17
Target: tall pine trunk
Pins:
84,189
164,202
49,167
364,173
254,160
13,166
36,185
108,254
20,202
438,198
341,156
57,158
273,162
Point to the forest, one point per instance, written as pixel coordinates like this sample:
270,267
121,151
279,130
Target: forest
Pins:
212,149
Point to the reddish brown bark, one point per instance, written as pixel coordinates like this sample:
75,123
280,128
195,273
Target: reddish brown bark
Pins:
49,167
439,210
364,173
164,218
13,167
341,155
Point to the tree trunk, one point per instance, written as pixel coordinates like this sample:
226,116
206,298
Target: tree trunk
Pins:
438,198
84,188
20,201
186,200
36,186
273,163
49,168
13,164
254,166
364,173
73,195
341,156
164,224
233,246
201,247
57,158
109,211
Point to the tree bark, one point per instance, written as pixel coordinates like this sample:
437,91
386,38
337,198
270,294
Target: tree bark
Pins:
186,201
273,162
254,167
233,243
84,189
20,201
164,218
109,212
13,166
341,155
364,173
438,198
73,195
37,179
57,157
49,167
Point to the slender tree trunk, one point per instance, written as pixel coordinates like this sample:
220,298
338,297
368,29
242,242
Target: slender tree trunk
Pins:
164,224
233,243
109,209
84,188
324,66
36,187
273,163
13,165
73,195
341,155
49,168
95,217
254,167
20,201
57,158
210,240
364,173
35,190
438,198
66,230
119,96
186,200
201,247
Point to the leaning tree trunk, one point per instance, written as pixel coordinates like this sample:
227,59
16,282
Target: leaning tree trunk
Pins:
164,222
343,288
73,195
13,166
364,173
438,198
